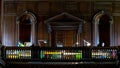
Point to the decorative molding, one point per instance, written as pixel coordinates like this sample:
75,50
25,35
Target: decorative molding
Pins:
64,14
34,21
10,14
46,0
100,3
95,28
116,14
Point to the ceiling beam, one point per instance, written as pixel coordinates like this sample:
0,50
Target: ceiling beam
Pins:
65,26
68,0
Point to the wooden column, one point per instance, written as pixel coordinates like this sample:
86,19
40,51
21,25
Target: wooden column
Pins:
49,36
1,21
49,43
79,40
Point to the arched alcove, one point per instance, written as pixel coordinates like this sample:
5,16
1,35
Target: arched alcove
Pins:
26,24
103,31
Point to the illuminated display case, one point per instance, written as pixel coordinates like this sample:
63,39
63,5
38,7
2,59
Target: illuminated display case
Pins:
63,54
51,56
106,54
15,53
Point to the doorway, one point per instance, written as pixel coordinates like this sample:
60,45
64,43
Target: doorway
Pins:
104,31
26,28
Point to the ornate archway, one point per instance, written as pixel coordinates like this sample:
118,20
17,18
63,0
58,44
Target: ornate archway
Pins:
65,29
26,22
96,20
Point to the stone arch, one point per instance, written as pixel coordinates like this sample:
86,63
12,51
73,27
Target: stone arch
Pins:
28,18
96,20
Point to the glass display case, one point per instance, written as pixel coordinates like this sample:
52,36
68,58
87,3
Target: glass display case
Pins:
18,53
106,54
61,55
51,56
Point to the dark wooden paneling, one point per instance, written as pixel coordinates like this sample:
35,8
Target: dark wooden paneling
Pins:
42,30
117,30
46,9
43,8
9,30
11,7
116,7
103,6
67,38
0,20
